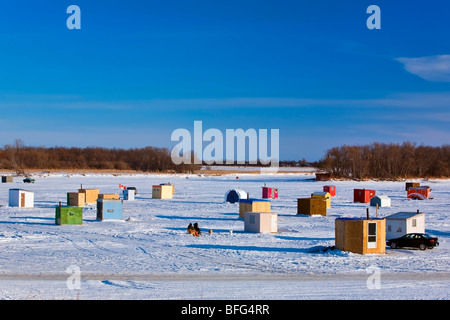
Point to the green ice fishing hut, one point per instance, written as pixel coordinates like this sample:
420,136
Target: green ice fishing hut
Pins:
68,215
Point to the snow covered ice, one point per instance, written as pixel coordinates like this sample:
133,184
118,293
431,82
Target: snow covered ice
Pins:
149,254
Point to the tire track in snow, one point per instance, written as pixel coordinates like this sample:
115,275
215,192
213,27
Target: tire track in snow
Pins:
90,243
76,246
127,284
141,249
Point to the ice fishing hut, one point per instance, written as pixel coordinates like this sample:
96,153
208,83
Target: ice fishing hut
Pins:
253,205
363,195
312,206
7,179
128,194
109,209
323,176
381,201
162,191
169,184
269,193
419,193
133,188
21,198
260,222
65,215
108,196
91,195
360,235
323,195
411,185
234,195
330,189
401,223
77,199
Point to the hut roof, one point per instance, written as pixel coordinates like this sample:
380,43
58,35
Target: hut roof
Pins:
403,215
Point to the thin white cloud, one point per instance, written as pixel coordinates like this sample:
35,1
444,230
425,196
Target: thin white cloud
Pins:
54,101
408,100
416,132
431,68
401,100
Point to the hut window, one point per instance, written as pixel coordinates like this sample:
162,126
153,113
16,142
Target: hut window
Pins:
414,222
399,229
389,227
252,219
372,235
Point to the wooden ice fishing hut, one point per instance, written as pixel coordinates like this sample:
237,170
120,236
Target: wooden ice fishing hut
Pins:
360,235
91,195
162,191
7,179
253,205
77,199
323,195
411,185
323,176
113,196
312,206
169,184
260,222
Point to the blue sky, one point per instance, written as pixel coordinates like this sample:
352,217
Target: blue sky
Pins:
138,70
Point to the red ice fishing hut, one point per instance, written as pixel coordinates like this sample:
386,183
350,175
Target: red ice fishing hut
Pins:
330,189
363,195
269,193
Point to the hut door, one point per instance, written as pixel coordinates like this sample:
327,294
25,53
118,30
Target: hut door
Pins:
274,227
371,235
22,200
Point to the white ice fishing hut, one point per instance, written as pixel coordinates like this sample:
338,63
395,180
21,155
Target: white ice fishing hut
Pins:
128,194
235,195
21,198
381,201
401,223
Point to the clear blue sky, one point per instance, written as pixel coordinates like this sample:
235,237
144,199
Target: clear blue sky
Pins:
137,70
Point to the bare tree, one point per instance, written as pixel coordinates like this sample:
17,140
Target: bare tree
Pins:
387,161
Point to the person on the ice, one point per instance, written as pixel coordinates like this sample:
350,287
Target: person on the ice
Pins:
199,231
191,229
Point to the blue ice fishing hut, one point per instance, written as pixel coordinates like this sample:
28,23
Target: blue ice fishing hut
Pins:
109,209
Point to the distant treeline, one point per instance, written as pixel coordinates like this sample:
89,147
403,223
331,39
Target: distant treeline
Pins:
20,158
258,163
373,161
387,161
